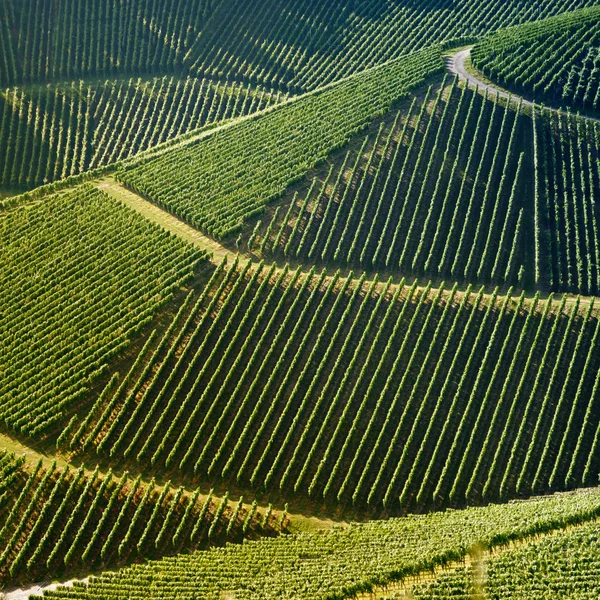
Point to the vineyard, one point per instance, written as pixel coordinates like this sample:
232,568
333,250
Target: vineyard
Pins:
296,45
80,276
565,564
311,44
65,520
557,60
53,132
299,299
196,185
414,201
437,188
440,190
44,41
50,132
362,393
340,563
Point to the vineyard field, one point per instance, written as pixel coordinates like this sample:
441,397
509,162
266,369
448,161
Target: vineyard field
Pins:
441,190
363,393
80,277
565,564
57,521
297,45
312,44
299,299
556,60
54,132
266,154
340,563
44,41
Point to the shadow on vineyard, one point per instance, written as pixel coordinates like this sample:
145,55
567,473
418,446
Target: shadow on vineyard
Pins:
400,413
84,521
413,199
296,302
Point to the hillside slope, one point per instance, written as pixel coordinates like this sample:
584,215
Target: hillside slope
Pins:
362,393
339,563
300,45
80,277
218,183
556,60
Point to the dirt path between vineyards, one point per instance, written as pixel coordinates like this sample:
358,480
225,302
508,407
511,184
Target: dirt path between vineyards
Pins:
165,219
457,64
38,589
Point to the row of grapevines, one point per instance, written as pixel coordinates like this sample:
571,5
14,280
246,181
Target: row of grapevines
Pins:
347,390
54,132
556,59
66,39
219,181
61,520
304,44
80,276
345,561
562,565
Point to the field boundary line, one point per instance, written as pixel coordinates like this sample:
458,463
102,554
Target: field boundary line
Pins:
166,220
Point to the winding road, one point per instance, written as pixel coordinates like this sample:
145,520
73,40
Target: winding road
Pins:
455,63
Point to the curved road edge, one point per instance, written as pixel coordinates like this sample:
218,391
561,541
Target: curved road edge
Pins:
455,64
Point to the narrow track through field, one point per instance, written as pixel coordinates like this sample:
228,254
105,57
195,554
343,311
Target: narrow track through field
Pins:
456,64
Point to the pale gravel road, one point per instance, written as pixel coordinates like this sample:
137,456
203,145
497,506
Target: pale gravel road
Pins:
456,65
37,589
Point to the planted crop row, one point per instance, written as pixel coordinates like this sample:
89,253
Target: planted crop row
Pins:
343,561
219,181
301,45
561,565
61,520
44,41
360,392
556,59
80,276
51,133
442,190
